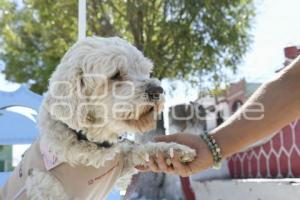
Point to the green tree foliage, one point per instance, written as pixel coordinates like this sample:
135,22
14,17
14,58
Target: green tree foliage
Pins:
182,37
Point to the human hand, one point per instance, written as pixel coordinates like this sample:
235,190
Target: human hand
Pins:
202,161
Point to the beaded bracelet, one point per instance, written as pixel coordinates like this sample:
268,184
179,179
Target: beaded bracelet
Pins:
214,148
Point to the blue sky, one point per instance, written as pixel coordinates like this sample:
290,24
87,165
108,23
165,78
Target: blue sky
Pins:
275,27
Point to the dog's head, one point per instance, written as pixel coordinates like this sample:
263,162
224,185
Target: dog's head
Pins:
102,87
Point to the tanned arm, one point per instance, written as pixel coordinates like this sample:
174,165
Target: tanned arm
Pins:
280,101
272,106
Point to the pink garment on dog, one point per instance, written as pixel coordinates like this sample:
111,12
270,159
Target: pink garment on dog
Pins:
79,182
49,158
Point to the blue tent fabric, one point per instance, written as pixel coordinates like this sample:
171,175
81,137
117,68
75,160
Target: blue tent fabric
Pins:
3,177
16,128
114,195
21,97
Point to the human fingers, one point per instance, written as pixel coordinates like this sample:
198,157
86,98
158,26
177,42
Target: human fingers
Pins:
166,138
152,165
142,168
180,168
162,164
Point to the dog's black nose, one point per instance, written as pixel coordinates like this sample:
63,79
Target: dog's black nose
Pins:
154,92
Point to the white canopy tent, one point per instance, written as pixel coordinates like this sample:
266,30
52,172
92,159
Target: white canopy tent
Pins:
15,127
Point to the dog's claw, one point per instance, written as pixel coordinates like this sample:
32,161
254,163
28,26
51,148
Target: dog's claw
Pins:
147,159
172,153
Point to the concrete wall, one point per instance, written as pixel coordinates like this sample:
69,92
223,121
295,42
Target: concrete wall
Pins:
212,174
248,189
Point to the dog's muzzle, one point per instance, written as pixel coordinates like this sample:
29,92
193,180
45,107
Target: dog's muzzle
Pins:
154,92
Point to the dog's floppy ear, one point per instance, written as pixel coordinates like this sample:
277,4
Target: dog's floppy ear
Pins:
60,103
81,80
83,85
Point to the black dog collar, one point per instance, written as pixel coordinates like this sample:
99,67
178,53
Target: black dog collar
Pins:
82,137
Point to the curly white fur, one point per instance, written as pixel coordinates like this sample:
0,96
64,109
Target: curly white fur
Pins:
72,104
41,185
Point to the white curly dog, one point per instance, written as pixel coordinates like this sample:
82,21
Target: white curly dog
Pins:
100,90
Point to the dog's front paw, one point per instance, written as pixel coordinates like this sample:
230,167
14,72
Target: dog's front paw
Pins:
144,152
185,153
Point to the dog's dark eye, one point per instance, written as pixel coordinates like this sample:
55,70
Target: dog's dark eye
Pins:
117,76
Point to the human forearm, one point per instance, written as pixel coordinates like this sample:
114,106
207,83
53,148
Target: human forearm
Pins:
279,100
276,102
